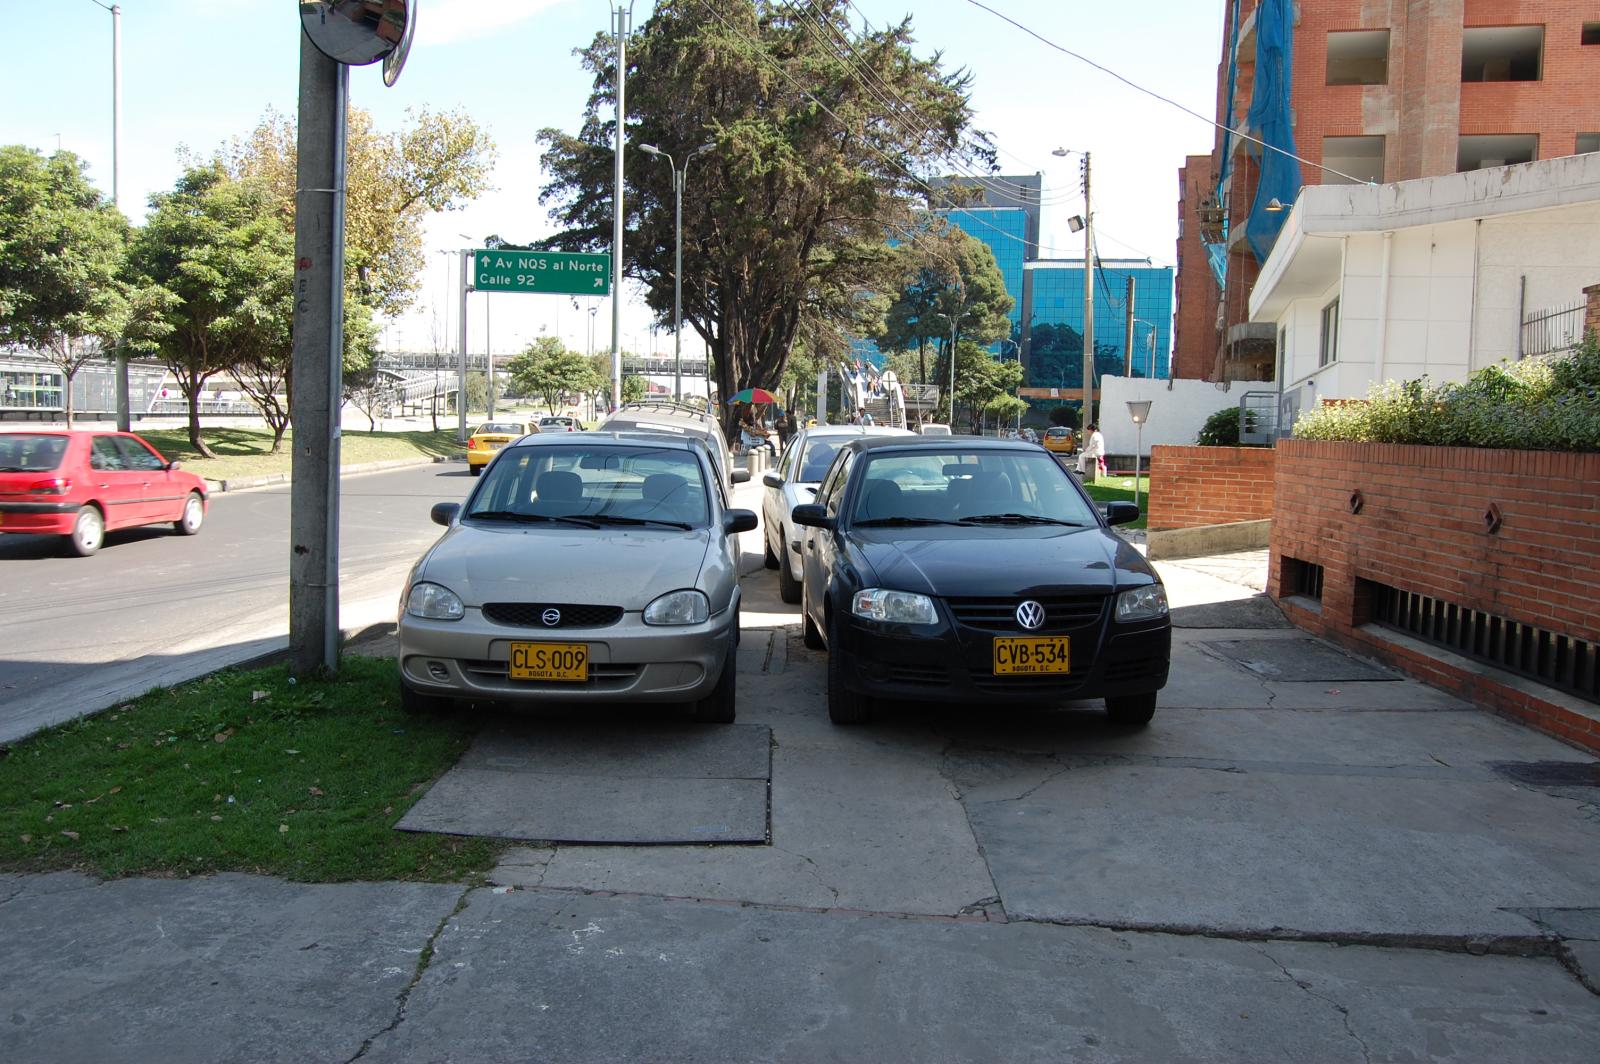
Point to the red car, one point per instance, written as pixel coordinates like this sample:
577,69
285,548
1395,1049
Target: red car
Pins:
83,484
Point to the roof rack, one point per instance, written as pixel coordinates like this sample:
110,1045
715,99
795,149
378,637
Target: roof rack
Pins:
672,405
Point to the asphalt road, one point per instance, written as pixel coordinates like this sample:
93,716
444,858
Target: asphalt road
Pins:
153,608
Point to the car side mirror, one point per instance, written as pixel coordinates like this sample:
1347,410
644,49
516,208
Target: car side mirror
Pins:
734,521
772,480
811,515
739,476
173,465
444,512
1121,513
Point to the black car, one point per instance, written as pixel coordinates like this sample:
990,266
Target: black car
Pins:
976,571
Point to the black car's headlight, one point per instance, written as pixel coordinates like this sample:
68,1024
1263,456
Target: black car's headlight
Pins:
893,607
1148,603
435,602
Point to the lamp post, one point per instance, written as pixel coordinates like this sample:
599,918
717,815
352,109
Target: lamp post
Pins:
1140,412
679,174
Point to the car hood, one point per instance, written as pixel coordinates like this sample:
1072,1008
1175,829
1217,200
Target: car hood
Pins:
999,561
611,567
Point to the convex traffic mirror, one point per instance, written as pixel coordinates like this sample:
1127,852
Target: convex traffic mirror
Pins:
358,32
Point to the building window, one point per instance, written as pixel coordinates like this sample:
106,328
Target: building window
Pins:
1588,142
1360,157
1496,149
1502,53
1591,33
1330,334
1358,57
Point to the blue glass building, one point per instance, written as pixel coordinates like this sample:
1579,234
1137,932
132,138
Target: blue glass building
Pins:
1005,231
1054,299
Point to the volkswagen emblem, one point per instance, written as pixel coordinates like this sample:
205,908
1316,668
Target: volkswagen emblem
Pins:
1030,615
551,617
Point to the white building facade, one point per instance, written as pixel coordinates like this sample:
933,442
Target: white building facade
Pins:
1432,277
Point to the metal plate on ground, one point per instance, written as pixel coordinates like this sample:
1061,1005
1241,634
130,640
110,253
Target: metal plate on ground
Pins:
1304,660
606,784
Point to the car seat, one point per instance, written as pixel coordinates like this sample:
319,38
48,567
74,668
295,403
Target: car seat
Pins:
667,498
883,498
558,493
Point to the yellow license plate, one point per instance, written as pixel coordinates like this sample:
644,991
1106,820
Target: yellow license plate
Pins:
1033,655
563,662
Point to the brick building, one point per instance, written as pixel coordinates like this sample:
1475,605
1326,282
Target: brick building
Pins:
1380,91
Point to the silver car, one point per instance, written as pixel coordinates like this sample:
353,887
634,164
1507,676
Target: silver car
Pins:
582,567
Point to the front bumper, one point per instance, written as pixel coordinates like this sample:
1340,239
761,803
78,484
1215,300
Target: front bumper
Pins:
950,662
629,661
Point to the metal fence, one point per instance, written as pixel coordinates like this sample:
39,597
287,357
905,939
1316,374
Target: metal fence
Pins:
1554,329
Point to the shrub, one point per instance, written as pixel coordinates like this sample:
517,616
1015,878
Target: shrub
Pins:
1221,429
1538,404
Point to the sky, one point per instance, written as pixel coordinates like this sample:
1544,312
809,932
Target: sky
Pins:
195,75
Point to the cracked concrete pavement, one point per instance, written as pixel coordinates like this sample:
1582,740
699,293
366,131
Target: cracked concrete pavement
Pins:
1273,870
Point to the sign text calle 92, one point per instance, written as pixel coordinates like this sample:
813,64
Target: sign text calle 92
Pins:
553,272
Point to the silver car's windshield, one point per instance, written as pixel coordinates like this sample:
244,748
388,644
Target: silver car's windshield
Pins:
972,487
600,485
816,459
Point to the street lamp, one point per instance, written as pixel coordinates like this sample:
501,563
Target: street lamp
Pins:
678,175
1140,412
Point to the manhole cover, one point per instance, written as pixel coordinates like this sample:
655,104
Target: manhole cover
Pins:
1550,773
1301,660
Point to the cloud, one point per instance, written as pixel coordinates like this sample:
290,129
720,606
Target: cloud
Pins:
454,21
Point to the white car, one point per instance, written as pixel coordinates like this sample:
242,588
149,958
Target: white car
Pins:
795,482
935,429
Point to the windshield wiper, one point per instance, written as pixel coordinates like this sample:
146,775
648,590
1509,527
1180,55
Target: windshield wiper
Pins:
887,522
513,515
618,519
1018,519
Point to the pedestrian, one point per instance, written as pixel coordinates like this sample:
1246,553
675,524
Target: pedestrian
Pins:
1093,451
854,418
863,418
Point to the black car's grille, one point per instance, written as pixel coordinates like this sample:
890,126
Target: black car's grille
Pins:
917,675
1061,613
532,614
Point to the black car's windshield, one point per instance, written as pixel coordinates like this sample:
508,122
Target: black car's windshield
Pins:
976,486
30,452
595,483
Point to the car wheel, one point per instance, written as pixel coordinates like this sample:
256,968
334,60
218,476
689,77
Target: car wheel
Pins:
475,470
770,560
788,586
194,515
1134,710
416,702
88,532
844,705
718,706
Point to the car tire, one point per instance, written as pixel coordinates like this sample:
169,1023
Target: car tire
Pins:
718,707
88,532
788,586
769,559
413,701
193,516
844,705
475,470
1132,710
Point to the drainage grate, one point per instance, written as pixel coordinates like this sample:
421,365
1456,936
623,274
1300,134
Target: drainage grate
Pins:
1571,665
1550,773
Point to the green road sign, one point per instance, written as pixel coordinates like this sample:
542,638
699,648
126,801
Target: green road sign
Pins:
553,272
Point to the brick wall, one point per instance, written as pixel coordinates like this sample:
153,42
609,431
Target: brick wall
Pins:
1421,527
1193,486
1194,316
1591,317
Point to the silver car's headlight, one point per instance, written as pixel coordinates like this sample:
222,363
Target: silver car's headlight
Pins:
678,607
435,602
1146,603
893,607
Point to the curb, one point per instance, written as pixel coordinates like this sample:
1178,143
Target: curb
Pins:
243,483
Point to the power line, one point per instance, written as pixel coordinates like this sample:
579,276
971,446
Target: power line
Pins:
1151,92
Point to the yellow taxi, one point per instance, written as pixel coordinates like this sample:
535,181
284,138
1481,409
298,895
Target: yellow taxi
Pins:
1058,439
489,437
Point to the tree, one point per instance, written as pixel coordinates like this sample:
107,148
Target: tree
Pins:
981,378
61,252
438,161
634,388
221,267
1066,416
950,289
784,227
549,370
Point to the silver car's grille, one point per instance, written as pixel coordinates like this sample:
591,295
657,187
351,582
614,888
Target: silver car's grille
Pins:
602,677
1061,612
538,614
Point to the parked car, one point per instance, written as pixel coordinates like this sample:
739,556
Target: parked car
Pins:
1028,434
560,423
1058,439
581,568
489,437
678,419
794,482
81,484
976,571
934,429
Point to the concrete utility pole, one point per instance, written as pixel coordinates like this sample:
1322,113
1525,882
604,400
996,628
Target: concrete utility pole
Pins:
1127,334
124,408
1088,298
461,374
621,19
318,362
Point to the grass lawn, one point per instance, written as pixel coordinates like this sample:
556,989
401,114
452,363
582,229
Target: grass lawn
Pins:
243,452
240,771
1120,489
